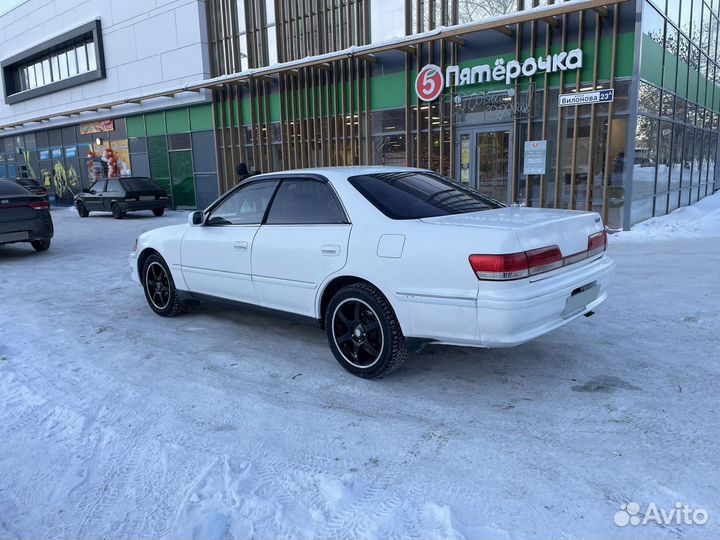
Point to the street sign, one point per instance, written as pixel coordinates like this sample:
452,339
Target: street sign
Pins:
586,98
535,157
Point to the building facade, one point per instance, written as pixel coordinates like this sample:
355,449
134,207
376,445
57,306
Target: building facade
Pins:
605,105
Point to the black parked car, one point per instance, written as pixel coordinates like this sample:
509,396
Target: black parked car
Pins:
122,195
24,217
33,185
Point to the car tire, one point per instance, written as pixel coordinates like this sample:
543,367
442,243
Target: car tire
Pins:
116,211
163,298
364,333
82,209
157,212
41,245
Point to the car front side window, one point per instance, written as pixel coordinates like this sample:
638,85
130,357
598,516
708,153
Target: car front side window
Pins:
244,207
98,187
305,202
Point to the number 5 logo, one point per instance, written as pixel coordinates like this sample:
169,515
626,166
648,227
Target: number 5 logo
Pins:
429,82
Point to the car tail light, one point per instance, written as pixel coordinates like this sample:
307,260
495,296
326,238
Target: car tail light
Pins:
533,262
516,265
500,267
544,259
38,205
597,243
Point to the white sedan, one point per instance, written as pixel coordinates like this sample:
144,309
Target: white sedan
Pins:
385,259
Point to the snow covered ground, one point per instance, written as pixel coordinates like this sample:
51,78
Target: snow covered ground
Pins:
116,423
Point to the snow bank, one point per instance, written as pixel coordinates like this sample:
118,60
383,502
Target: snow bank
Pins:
702,219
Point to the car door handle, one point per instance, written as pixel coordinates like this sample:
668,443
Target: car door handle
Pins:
241,246
330,250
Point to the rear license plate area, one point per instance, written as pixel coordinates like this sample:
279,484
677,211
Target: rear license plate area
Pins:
580,298
14,236
147,198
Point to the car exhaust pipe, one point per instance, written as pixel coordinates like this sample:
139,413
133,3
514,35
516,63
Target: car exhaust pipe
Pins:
590,314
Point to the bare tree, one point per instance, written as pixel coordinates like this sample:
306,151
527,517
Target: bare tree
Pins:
474,10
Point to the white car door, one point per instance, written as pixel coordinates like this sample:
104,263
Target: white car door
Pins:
304,239
215,256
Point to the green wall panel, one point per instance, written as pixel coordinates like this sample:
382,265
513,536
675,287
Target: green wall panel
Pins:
201,117
177,120
136,126
158,155
183,184
155,123
389,91
274,107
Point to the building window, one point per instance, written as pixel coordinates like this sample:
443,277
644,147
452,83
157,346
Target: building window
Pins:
67,60
387,19
59,66
242,35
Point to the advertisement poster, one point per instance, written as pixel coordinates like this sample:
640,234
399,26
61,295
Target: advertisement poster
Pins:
109,159
97,127
535,157
465,158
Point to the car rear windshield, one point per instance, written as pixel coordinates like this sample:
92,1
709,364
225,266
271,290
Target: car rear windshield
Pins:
28,182
415,195
139,184
8,189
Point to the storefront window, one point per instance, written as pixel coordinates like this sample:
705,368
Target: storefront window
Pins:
649,99
645,166
389,150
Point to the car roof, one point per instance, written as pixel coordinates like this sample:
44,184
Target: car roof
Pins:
334,172
349,170
122,178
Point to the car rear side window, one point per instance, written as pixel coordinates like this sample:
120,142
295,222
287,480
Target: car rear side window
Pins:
9,189
305,202
415,195
114,186
246,206
139,184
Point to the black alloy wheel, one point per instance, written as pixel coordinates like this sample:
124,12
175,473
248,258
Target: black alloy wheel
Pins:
159,287
41,245
116,211
82,209
363,332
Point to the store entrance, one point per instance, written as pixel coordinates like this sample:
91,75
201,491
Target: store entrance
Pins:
483,159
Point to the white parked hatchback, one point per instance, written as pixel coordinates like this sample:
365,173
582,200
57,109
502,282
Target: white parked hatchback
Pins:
385,259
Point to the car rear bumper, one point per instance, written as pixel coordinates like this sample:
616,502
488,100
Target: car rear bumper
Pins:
506,314
26,230
514,316
132,206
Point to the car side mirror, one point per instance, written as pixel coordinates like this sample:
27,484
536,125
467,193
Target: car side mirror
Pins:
196,218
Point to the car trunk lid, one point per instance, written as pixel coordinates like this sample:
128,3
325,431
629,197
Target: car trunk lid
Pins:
535,227
17,207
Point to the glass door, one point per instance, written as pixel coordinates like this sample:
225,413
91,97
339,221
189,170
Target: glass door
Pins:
484,160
